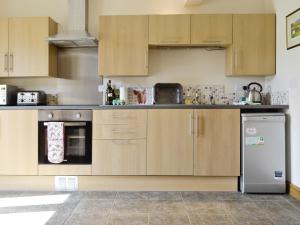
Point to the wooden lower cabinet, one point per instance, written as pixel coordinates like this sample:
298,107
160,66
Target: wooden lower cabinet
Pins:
18,142
217,142
170,142
119,157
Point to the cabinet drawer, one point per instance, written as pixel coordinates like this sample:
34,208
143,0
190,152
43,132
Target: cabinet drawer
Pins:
119,131
134,116
119,157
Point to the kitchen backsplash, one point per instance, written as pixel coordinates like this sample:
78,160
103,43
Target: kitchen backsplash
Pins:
211,94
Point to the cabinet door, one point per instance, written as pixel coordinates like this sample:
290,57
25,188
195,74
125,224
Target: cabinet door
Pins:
170,30
170,142
29,52
123,45
3,47
254,42
217,142
211,29
119,157
19,142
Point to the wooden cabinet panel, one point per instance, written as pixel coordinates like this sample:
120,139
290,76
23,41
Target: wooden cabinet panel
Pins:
123,116
119,157
19,142
3,47
170,142
169,30
119,131
254,44
123,45
29,52
65,170
119,124
211,29
217,142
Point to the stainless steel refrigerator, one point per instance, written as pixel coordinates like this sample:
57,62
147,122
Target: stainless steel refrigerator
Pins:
263,153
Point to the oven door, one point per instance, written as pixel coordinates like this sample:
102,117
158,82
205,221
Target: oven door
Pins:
77,143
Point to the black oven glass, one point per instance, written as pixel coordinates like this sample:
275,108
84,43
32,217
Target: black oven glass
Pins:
77,143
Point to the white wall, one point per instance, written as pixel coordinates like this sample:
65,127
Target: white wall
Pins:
188,66
287,78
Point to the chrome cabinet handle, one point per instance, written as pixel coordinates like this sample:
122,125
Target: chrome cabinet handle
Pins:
235,59
211,41
170,41
6,62
146,58
124,142
191,124
11,62
196,125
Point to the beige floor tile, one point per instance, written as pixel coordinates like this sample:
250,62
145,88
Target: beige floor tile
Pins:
128,219
131,206
168,219
210,219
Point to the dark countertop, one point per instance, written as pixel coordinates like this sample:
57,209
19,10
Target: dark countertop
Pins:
167,106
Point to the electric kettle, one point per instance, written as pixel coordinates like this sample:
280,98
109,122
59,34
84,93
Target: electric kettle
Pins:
254,92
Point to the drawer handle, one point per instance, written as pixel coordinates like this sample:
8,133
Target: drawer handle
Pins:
123,142
211,41
170,41
122,131
123,117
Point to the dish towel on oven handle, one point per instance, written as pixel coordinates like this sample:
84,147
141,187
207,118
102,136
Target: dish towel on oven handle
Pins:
55,137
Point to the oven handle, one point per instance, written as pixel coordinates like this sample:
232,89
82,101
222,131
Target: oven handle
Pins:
70,124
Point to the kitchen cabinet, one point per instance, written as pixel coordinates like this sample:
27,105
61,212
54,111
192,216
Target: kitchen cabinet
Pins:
24,51
3,47
29,52
217,142
211,29
253,48
19,142
119,157
123,45
119,142
170,142
169,30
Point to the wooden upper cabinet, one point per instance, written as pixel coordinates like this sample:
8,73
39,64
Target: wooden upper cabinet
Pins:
3,47
19,142
254,45
123,45
211,29
29,51
217,142
170,142
170,30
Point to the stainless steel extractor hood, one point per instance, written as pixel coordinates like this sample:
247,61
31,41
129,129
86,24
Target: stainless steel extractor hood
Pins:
76,35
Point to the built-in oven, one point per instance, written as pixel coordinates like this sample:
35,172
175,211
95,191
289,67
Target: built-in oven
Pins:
77,135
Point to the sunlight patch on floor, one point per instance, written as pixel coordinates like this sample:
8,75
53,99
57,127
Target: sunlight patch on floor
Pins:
24,218
33,200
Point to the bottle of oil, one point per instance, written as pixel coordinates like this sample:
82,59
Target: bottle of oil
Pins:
109,94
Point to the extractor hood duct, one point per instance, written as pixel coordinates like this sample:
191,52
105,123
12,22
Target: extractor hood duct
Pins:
76,35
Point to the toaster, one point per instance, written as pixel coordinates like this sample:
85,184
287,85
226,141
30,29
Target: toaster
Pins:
8,94
31,98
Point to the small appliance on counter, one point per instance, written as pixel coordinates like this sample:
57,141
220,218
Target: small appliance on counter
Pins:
254,90
31,98
8,94
168,93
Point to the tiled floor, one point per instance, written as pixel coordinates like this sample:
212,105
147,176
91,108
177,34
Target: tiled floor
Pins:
153,208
